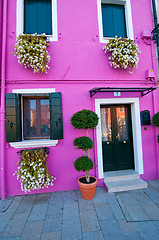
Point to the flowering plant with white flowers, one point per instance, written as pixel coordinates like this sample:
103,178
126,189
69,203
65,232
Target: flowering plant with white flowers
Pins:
31,52
33,171
124,53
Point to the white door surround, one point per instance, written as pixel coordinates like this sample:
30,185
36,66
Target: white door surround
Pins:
136,131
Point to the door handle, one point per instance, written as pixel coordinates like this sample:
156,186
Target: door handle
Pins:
124,141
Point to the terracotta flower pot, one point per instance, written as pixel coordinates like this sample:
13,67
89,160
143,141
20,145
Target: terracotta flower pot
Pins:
87,189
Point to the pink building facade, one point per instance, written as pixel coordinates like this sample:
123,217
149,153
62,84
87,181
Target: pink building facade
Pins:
78,64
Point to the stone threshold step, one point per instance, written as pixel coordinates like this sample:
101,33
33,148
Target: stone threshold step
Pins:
121,175
125,185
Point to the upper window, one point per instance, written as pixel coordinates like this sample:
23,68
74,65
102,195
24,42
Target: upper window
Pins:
114,18
37,16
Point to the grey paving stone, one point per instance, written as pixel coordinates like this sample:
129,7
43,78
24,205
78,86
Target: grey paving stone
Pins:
85,205
51,236
93,235
70,211
71,230
134,236
32,231
153,195
54,209
89,221
100,195
114,204
53,223
4,220
38,212
154,184
127,227
111,230
12,238
133,207
124,210
4,205
26,204
16,225
104,211
14,205
156,224
147,204
147,230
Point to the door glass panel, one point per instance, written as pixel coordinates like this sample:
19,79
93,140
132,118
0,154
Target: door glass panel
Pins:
122,131
106,124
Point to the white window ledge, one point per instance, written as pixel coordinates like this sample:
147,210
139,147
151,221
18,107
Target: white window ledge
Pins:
33,143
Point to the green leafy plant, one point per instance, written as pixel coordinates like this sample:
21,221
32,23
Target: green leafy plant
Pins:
31,51
84,143
32,169
124,53
158,138
155,119
84,119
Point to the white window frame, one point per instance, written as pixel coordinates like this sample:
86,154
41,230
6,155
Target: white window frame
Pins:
20,20
136,131
37,142
128,18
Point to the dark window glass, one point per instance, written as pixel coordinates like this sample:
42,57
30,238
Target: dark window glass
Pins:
36,118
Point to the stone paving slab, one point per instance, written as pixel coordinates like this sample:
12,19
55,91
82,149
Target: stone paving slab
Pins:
132,215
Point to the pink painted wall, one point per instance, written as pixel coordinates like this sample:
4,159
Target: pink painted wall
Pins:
78,64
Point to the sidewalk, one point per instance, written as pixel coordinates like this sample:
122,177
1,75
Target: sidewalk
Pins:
132,215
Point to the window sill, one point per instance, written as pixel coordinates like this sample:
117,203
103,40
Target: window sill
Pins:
33,143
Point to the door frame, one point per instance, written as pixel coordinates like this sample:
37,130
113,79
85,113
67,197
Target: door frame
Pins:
136,131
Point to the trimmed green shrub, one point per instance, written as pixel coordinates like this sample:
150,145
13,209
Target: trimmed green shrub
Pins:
155,119
84,119
83,164
84,143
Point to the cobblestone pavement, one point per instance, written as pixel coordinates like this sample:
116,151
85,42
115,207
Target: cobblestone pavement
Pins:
132,215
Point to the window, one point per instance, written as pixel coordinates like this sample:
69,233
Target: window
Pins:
36,117
114,18
37,16
33,116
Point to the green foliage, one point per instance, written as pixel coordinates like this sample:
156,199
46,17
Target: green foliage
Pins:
33,171
31,52
84,119
155,119
158,138
83,143
83,164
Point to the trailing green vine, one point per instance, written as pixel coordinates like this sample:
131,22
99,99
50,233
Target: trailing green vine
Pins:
31,51
32,169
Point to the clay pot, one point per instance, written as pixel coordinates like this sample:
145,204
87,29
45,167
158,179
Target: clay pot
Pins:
87,189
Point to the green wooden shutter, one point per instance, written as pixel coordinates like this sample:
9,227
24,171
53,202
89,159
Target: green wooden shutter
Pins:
119,21
56,120
38,16
13,117
113,18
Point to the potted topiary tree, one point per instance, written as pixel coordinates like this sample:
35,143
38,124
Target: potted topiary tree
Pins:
85,119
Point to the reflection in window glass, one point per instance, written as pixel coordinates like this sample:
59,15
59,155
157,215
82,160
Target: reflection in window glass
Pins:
106,124
36,118
122,131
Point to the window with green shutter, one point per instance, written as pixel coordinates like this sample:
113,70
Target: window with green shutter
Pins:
113,19
42,117
38,16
